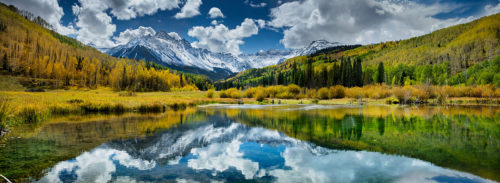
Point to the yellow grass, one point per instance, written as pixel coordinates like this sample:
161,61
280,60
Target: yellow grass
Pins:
23,105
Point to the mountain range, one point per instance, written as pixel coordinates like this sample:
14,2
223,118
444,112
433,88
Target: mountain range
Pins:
178,54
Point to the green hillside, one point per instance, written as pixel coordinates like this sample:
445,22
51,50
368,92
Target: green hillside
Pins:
439,58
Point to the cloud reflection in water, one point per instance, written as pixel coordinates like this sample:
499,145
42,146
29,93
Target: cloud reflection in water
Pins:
217,152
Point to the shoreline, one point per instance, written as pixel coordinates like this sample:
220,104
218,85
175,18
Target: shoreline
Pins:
23,107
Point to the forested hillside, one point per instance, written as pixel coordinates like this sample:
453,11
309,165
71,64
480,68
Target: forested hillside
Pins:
448,56
30,49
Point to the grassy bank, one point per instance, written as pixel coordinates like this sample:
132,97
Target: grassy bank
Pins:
21,107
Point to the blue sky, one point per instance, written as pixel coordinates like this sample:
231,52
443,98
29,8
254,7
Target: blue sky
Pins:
263,24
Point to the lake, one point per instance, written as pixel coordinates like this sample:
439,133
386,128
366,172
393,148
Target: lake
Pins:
262,143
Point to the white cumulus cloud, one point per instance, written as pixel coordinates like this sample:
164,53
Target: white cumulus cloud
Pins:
256,5
190,9
94,23
492,9
130,34
49,10
128,9
220,38
215,12
364,21
262,23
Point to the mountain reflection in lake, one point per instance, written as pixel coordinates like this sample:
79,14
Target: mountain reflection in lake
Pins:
299,143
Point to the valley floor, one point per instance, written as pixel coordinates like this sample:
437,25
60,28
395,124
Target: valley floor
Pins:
19,107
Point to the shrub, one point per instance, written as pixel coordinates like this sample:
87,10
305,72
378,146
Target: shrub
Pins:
233,93
336,92
391,100
355,92
260,94
286,95
314,101
186,88
210,93
420,93
441,94
223,94
311,93
449,91
230,93
293,89
476,92
323,93
403,94
487,91
376,91
272,91
250,92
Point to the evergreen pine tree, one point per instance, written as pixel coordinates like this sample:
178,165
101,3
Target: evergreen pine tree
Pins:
359,73
349,74
342,73
381,74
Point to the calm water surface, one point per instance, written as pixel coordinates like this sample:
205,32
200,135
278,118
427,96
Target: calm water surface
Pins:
250,143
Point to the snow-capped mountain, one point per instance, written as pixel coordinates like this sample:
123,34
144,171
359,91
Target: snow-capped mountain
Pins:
180,55
272,57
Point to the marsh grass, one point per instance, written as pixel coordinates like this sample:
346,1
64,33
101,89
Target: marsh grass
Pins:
103,108
33,115
19,107
178,106
151,108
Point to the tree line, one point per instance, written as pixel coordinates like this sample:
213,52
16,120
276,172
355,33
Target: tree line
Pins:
317,72
308,73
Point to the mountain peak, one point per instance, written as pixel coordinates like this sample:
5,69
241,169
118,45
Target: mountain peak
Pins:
316,46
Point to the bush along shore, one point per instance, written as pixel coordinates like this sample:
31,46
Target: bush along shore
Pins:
413,94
